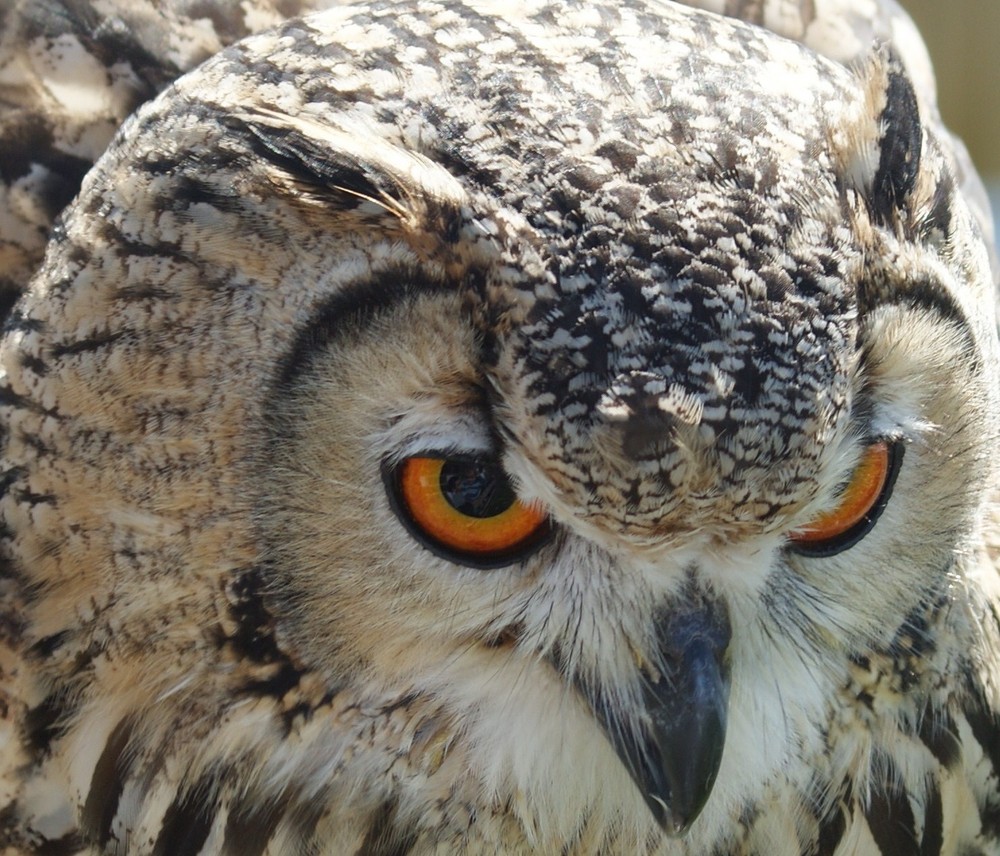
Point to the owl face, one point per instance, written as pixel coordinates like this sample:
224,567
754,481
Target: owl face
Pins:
522,457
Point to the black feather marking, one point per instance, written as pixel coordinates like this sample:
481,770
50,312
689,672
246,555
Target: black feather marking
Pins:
9,398
924,294
831,831
48,645
353,306
68,845
34,364
27,140
91,343
10,291
186,824
255,639
339,179
22,323
933,839
106,785
931,295
249,830
985,727
384,838
44,723
900,148
890,817
940,739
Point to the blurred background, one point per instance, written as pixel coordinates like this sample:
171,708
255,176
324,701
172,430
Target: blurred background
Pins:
963,37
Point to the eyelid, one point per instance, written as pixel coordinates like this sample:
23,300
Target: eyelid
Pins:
460,443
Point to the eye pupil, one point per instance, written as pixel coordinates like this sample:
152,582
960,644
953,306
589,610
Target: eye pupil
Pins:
476,488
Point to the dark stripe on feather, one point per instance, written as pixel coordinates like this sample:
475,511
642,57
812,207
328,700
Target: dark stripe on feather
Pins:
890,817
384,837
186,824
107,784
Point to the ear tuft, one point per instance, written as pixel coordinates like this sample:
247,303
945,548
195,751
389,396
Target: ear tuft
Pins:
881,145
899,148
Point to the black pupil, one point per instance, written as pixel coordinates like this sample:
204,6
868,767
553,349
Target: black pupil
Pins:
476,488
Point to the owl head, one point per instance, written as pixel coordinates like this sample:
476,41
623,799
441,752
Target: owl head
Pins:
445,426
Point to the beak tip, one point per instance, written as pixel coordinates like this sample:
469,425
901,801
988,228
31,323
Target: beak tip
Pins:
669,820
674,820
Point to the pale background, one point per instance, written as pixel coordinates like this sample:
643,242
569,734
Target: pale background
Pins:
963,37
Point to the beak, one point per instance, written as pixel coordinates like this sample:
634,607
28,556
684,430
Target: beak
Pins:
672,744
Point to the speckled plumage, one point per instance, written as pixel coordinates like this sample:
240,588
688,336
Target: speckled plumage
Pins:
672,270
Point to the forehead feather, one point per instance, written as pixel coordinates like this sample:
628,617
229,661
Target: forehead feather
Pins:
665,265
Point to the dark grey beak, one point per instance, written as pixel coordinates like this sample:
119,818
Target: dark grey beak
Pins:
672,745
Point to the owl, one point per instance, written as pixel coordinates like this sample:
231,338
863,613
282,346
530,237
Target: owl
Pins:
476,427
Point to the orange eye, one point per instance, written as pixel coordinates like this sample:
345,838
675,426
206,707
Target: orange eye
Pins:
861,503
465,510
